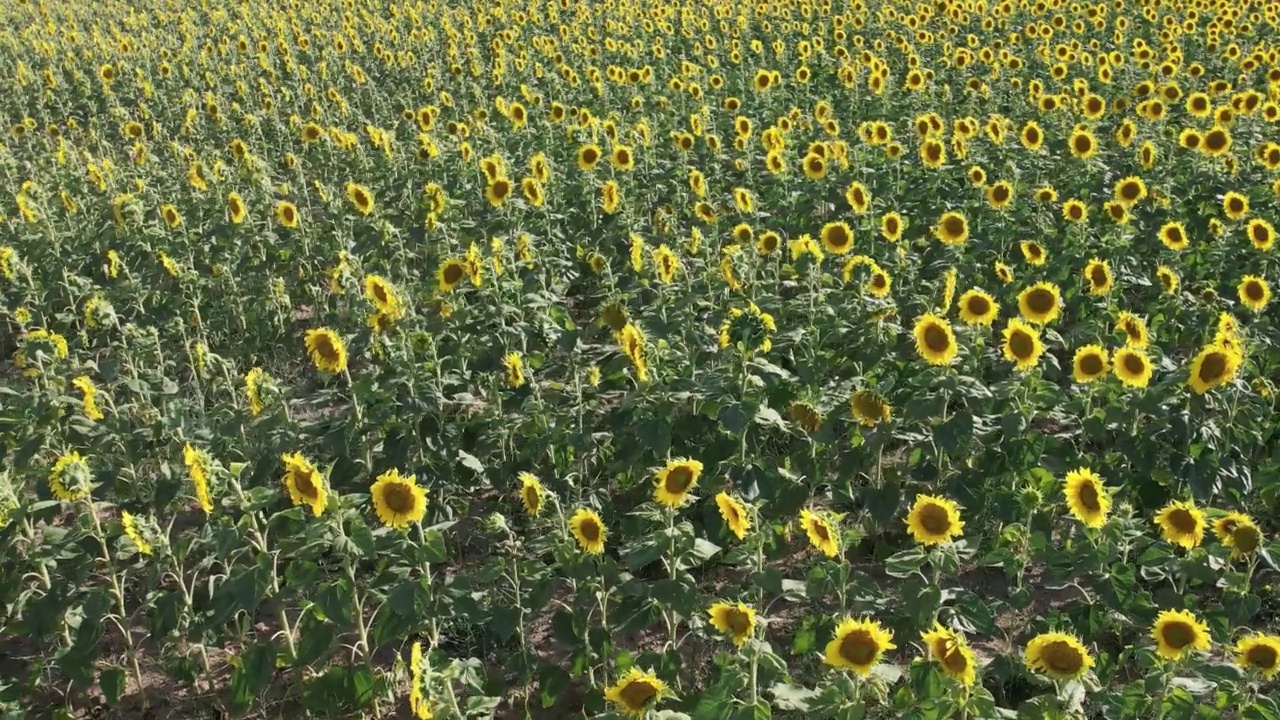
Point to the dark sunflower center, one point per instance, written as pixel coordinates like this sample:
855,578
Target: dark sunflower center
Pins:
637,693
1213,367
1260,234
305,483
1178,634
1083,144
590,156
837,237
978,305
590,529
933,152
1133,330
879,281
1246,538
1253,290
1183,521
953,659
1062,658
531,497
678,480
1134,364
1098,276
1235,206
1174,236
1088,497
1022,345
1129,191
1215,140
1076,211
453,273
858,198
820,529
1262,656
326,349
891,226
399,498
738,621
1000,193
935,519
859,647
1040,301
935,338
1091,364
953,226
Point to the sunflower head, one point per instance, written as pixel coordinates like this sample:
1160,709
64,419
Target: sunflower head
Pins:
1260,653
398,499
934,339
858,646
952,653
735,620
977,307
1178,633
952,228
1022,345
1039,303
589,530
1058,656
675,481
636,693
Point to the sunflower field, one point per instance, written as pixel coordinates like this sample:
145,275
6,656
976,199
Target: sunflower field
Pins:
650,359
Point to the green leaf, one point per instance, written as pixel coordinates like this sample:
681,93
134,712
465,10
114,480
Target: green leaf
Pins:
252,674
471,462
791,698
112,682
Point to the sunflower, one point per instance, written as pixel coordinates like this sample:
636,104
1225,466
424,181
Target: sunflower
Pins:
532,190
1174,236
530,493
858,197
1254,292
736,620
1235,205
768,242
1260,652
383,295
1098,274
675,481
1181,523
498,190
933,153
1179,632
588,529
1087,498
837,238
977,307
869,408
450,273
822,535
1003,272
636,693
858,645
952,653
734,514
934,340
361,198
1083,144
1168,279
610,197
1238,532
305,484
1058,656
398,499
327,350
197,463
1075,210
286,214
891,226
171,216
1031,137
1039,303
1214,365
814,166
1000,195
1129,191
236,211
1261,233
70,478
1033,252
1216,142
934,520
1022,344
1190,139
129,524
513,365
952,228
1132,366
588,156
622,158
1046,195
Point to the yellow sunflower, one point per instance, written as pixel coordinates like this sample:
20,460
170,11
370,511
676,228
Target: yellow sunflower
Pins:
398,499
869,408
1235,205
675,481
1261,233
1087,498
1168,278
952,228
1022,344
327,350
736,620
71,478
450,273
636,693
999,195
837,238
1254,292
821,534
1215,365
1179,632
1039,303
129,524
1129,191
1260,652
934,340
1181,523
1058,656
1134,329
952,653
891,226
734,514
933,520
1033,252
530,493
361,198
858,645
588,529
1098,274
1132,366
977,307
305,484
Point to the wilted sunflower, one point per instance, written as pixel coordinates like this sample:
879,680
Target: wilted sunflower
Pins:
1181,523
734,514
305,484
1087,498
858,645
952,653
934,520
1022,344
1098,274
934,340
674,482
1058,656
588,529
869,408
636,693
1039,303
977,307
327,350
736,620
805,415
1260,652
1254,292
1132,366
1214,365
952,228
1179,632
822,536
398,499
530,493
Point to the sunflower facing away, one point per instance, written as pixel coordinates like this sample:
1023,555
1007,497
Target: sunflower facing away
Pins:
858,645
870,408
1058,656
934,340
1179,632
636,693
305,484
822,536
734,514
934,520
1087,498
736,620
129,524
1260,652
530,493
327,350
398,499
952,653
674,482
588,529
1181,523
